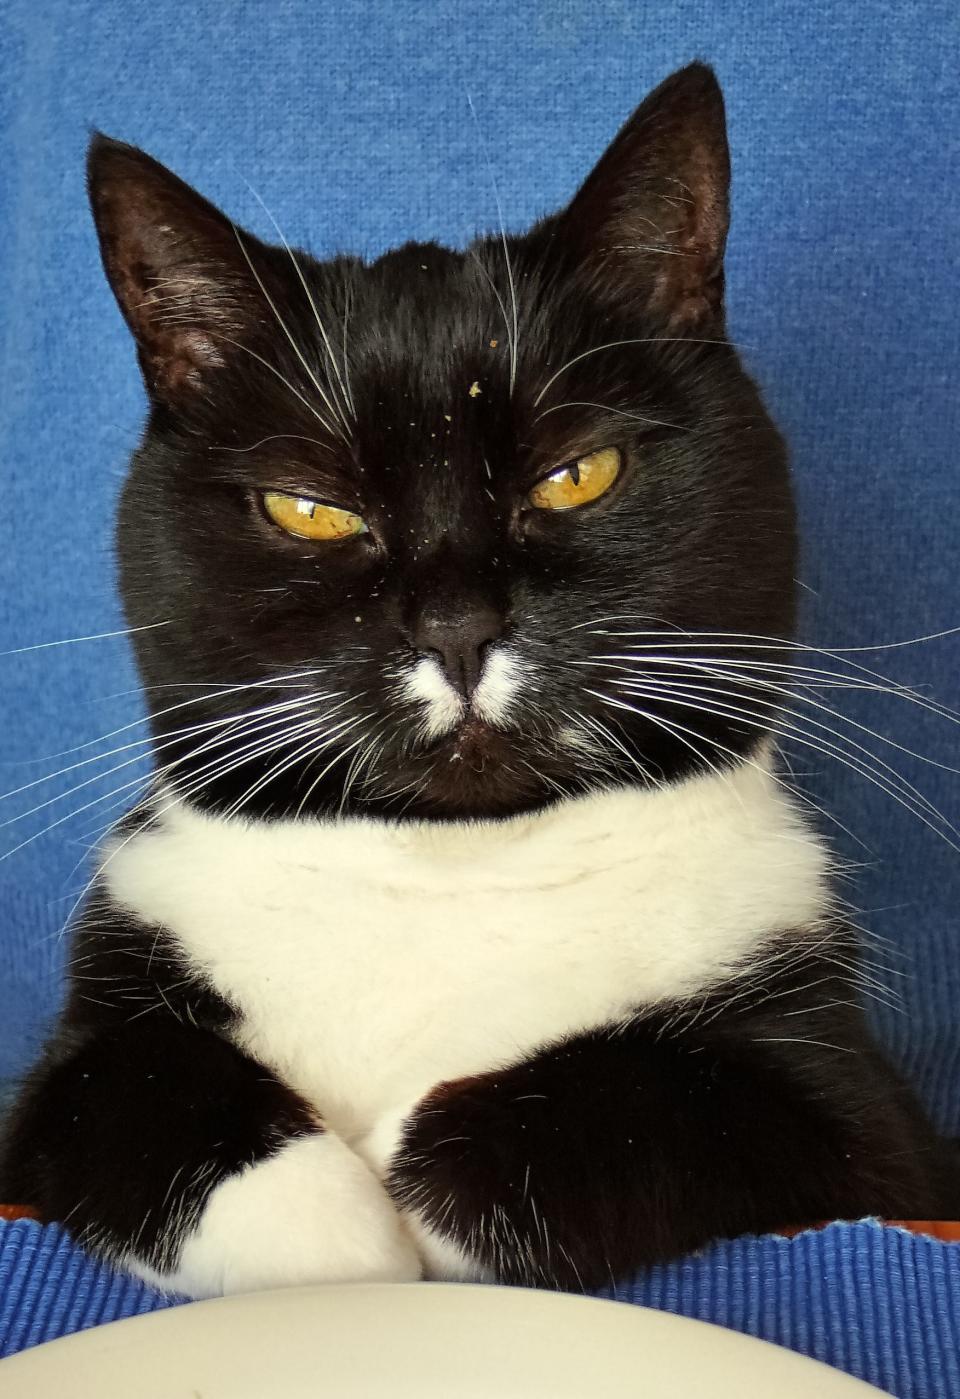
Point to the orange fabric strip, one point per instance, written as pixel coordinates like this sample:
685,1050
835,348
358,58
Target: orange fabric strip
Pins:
946,1230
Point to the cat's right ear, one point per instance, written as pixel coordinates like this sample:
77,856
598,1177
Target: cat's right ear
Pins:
647,228
182,273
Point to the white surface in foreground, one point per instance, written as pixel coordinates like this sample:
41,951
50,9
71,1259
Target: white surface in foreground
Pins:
417,1341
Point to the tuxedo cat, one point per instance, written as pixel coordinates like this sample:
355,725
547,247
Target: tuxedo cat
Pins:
468,929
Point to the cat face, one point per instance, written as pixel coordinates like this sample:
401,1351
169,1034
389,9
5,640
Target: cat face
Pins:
401,533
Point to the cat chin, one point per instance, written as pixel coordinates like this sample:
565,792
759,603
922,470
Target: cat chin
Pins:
478,772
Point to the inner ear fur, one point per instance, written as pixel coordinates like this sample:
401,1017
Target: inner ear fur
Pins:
648,226
177,266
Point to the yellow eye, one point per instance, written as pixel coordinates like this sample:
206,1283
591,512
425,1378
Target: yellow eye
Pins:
585,480
309,519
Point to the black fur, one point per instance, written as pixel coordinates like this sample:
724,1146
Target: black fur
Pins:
635,1144
625,1147
140,1084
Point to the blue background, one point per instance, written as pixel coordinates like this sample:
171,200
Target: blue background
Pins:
351,121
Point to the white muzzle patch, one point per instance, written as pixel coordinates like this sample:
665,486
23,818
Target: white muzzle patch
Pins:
500,683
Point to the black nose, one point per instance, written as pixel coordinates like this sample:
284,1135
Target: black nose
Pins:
459,638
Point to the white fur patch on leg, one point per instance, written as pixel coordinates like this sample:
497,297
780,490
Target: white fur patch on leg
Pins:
313,1213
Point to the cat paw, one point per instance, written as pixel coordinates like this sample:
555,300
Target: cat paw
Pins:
442,1259
313,1213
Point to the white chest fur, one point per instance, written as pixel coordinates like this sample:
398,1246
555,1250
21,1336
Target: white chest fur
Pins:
370,961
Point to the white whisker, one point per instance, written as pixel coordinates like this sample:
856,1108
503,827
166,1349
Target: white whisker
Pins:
687,686
506,252
614,345
620,412
75,640
237,345
333,406
313,306
765,726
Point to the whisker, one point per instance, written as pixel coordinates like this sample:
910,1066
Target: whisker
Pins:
807,800
183,704
506,251
147,778
785,726
690,667
250,752
308,753
313,305
855,764
773,642
147,744
237,345
325,739
618,745
620,412
745,641
348,387
614,345
274,437
75,640
333,406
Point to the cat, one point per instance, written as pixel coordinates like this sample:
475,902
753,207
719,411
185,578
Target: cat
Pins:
467,930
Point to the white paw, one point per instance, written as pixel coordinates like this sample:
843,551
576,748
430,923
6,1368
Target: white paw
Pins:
444,1260
312,1213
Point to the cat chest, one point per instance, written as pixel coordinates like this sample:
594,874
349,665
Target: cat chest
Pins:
367,966
365,997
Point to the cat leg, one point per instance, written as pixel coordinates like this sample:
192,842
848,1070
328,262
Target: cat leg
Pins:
611,1151
165,1149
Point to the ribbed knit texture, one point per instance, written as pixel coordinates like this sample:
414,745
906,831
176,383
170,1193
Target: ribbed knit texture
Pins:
880,1303
877,1302
49,1288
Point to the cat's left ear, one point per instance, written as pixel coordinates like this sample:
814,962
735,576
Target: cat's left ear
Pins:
649,225
183,275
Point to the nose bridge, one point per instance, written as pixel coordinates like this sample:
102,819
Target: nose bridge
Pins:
449,579
455,611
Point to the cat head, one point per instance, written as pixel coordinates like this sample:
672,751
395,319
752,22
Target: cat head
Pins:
436,535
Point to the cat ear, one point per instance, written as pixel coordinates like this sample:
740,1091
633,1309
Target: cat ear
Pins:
649,224
176,266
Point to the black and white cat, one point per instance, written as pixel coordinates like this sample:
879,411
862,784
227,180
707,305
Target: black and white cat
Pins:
467,930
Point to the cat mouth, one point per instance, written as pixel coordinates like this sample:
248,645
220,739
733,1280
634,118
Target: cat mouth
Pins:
472,741
475,740
475,771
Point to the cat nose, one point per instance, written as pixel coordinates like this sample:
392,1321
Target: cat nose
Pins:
459,642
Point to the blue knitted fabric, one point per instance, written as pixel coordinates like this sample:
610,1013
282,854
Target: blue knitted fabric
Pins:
877,1302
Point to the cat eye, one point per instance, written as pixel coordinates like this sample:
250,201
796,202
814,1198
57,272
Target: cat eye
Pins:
584,480
311,519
